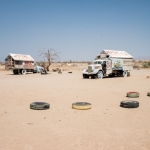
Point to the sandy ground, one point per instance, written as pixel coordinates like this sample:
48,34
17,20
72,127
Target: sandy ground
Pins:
106,126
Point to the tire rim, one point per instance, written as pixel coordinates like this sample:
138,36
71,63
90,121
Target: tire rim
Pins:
100,74
23,71
125,74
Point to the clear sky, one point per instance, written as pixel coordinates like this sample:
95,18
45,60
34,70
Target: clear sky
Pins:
78,29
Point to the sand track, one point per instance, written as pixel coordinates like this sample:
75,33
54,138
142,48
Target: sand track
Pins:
106,126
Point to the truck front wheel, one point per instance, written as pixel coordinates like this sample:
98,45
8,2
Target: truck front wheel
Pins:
15,71
100,75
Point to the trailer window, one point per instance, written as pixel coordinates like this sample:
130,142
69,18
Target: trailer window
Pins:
18,62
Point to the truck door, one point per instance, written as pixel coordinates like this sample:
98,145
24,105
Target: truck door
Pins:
108,67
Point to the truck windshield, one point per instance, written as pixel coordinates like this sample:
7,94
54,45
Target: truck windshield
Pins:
97,62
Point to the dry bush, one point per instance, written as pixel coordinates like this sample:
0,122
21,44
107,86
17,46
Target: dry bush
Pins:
146,64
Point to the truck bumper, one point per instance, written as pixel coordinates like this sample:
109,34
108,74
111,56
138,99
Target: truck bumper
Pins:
89,74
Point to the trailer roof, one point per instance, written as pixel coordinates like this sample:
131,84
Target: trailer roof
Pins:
116,54
21,57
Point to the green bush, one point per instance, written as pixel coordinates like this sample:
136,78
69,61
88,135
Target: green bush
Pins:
146,64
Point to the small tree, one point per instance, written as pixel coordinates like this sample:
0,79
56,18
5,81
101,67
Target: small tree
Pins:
50,55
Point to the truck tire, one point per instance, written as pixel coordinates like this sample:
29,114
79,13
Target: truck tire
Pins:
128,74
148,94
24,71
44,73
129,104
133,94
15,71
124,74
20,71
100,75
39,105
85,76
81,105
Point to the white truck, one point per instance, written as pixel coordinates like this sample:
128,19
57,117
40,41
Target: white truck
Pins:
110,63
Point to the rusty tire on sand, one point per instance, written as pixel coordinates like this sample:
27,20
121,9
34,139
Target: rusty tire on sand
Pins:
81,105
148,94
133,94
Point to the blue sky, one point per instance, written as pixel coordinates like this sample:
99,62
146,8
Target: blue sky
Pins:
78,29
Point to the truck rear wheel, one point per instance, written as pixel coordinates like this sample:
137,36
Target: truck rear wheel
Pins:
24,71
124,74
128,74
100,75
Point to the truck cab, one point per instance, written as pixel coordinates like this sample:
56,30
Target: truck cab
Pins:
96,69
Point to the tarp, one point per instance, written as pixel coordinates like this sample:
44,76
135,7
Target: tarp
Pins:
21,57
116,54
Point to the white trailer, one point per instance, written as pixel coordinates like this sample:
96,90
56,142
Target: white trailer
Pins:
110,63
21,63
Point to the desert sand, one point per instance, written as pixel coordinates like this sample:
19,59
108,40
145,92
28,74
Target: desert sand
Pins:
106,126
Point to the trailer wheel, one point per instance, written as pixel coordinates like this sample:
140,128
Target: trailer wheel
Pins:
100,75
133,94
128,74
39,105
124,73
85,76
129,104
24,71
81,105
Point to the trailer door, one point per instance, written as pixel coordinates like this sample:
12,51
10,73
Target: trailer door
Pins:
108,67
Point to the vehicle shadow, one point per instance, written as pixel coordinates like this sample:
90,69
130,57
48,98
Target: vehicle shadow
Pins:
19,74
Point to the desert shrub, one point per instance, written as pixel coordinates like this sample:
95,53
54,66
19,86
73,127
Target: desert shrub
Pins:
146,64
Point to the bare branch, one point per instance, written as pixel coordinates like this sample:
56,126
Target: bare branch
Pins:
51,55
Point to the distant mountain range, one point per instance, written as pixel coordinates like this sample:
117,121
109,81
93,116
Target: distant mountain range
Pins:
142,58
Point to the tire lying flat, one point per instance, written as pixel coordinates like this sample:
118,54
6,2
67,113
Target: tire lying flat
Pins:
69,72
129,104
133,94
39,105
43,73
81,105
148,94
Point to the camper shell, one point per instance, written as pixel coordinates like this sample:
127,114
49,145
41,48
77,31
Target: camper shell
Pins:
21,63
110,63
